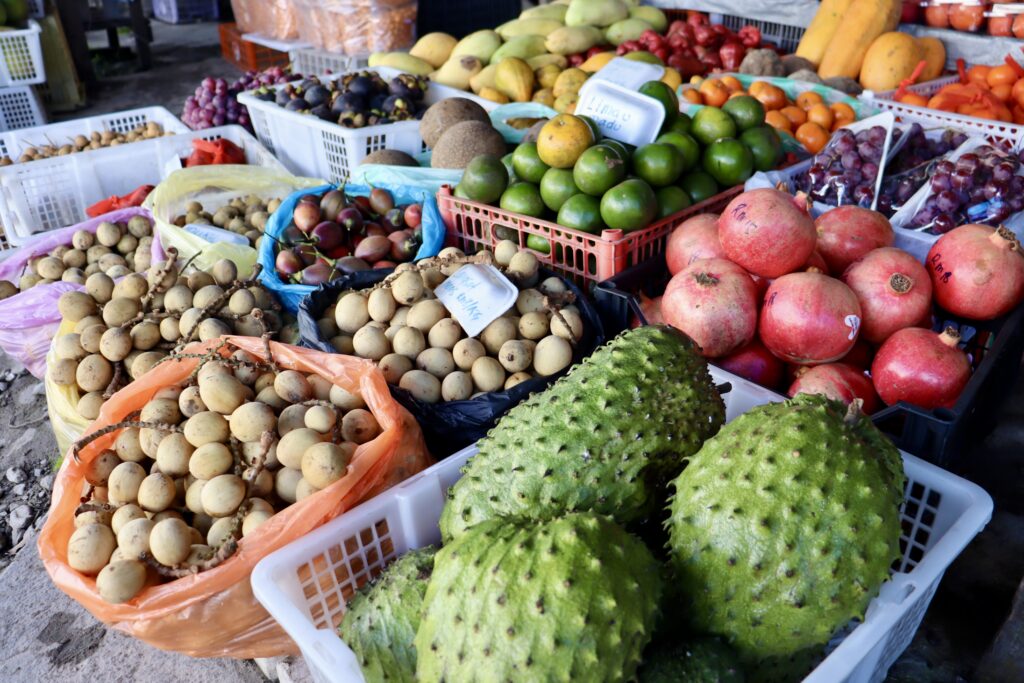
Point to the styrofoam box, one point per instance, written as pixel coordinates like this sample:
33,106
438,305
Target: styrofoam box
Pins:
313,62
53,193
311,147
20,108
304,585
22,56
14,143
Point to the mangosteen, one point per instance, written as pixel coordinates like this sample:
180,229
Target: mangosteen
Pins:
316,95
309,83
322,112
360,85
352,101
283,97
408,86
298,104
377,102
351,119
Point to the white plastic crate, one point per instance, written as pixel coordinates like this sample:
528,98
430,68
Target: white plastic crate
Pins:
22,56
20,108
14,143
183,11
311,147
785,36
53,193
313,62
305,585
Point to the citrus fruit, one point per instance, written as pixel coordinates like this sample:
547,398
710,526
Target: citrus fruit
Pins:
593,127
686,145
746,111
710,124
714,92
658,163
692,95
821,115
682,124
841,111
527,163
557,186
1001,75
460,192
630,205
485,179
538,243
806,99
620,148
699,185
665,95
563,139
598,169
728,161
796,115
671,200
581,212
812,136
771,96
732,83
507,161
777,120
523,198
765,144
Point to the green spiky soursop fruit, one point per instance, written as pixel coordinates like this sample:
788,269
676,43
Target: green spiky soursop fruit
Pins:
570,599
606,437
702,660
784,526
383,616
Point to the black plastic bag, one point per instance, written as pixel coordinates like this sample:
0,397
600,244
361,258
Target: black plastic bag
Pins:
452,425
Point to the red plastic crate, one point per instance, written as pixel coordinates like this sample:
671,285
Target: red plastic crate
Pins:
246,55
584,257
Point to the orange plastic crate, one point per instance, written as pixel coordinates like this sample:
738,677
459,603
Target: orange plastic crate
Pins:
584,257
246,55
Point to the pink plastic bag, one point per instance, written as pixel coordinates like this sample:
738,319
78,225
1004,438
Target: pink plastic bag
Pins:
29,319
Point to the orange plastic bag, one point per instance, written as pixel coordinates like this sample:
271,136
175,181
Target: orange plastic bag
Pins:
214,613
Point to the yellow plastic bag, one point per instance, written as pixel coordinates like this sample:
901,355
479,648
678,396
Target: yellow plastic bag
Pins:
62,402
214,613
214,186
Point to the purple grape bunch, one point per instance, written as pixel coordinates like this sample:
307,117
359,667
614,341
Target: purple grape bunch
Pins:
909,169
982,186
215,101
846,170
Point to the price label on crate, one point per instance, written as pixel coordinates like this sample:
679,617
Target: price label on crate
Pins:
476,295
1006,10
621,114
628,73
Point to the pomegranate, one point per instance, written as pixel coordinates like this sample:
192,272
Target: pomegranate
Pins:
809,318
838,381
817,262
921,367
848,232
977,271
937,16
714,301
694,239
860,355
893,289
966,17
651,308
768,232
754,362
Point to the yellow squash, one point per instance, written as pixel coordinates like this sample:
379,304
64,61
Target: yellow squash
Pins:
862,23
822,29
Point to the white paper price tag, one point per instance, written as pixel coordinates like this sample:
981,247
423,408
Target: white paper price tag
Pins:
620,113
212,234
476,295
628,73
1005,10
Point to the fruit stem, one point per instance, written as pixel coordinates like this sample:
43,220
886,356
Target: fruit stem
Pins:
1004,238
706,279
950,337
813,269
854,411
900,283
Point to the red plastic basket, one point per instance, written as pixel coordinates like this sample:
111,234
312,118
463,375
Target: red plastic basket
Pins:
246,55
584,257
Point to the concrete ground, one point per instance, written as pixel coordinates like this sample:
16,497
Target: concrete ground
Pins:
968,635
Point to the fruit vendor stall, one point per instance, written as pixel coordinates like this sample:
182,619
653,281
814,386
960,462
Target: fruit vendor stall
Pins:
598,340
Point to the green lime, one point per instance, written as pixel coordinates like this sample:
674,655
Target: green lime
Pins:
527,164
523,198
746,111
460,192
641,56
664,93
699,185
710,124
582,212
671,200
538,243
687,146
658,163
729,162
593,127
630,205
682,124
485,179
598,169
766,146
556,187
622,149
507,160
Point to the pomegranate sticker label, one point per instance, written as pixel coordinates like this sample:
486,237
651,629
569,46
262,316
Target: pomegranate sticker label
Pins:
853,322
476,295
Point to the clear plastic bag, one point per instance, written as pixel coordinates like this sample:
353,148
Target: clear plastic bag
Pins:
214,613
277,19
850,168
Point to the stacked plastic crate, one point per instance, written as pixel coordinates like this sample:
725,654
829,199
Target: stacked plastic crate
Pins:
21,67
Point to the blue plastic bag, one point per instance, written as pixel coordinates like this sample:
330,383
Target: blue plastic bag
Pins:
433,230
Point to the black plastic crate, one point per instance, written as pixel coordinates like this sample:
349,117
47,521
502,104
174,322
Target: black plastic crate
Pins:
943,435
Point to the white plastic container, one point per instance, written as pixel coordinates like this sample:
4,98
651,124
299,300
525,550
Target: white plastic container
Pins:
314,62
311,147
21,56
304,585
52,193
14,143
20,108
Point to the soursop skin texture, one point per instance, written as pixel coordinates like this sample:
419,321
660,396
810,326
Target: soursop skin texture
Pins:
784,526
702,660
570,599
381,620
607,437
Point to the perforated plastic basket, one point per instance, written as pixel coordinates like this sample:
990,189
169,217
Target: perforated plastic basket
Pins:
182,11
785,36
22,53
14,143
304,585
313,62
20,108
311,147
53,193
584,257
